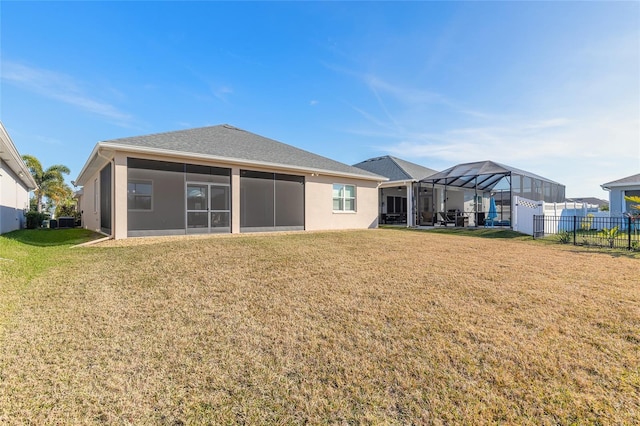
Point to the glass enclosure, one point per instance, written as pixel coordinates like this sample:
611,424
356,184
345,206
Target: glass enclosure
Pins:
271,201
481,185
105,199
165,198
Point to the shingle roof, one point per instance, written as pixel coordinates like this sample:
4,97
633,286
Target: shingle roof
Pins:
633,179
11,157
590,200
228,142
395,168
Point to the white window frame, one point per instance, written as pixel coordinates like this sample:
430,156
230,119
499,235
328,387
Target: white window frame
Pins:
145,182
344,197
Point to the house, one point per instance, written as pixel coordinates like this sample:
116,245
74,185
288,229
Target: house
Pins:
399,195
15,183
220,179
618,189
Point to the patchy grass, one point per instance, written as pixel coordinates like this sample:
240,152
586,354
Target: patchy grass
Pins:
381,327
27,254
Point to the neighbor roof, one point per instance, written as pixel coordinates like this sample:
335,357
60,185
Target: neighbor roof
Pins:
231,144
629,180
589,200
395,169
11,157
488,174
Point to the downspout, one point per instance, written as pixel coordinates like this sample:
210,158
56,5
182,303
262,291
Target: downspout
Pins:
112,195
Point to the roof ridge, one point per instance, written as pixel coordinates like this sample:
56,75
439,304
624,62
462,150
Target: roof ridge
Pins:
228,126
407,174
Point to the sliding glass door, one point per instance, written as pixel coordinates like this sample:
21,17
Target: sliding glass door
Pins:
208,208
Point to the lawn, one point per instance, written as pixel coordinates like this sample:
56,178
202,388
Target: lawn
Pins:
374,327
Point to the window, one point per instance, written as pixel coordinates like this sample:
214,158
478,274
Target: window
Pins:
344,198
629,206
396,204
139,195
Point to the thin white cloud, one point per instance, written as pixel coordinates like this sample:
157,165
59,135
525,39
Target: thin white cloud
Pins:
578,131
222,92
403,94
314,102
574,152
60,87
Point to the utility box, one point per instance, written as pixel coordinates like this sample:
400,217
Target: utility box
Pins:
66,222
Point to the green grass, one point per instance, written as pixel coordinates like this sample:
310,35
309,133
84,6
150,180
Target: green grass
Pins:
482,233
52,237
29,253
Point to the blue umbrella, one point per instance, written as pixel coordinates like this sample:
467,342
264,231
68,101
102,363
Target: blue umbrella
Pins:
493,211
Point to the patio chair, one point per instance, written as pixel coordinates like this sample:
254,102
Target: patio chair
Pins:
447,218
427,218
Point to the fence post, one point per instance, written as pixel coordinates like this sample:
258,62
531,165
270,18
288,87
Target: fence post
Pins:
575,221
629,232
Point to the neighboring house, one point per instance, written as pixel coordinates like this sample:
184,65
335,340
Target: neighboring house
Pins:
220,179
629,186
399,195
15,184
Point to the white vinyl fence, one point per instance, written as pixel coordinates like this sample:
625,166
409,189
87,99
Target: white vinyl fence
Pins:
525,209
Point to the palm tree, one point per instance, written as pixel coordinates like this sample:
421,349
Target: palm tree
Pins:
50,181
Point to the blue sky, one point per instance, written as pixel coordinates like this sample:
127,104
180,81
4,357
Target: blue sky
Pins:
549,87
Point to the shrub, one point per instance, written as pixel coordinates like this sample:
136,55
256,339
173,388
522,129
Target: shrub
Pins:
34,219
610,235
564,237
587,222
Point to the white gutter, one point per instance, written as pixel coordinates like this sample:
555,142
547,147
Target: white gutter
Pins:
607,187
15,162
97,152
86,165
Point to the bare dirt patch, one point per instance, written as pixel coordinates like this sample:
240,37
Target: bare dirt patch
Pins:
343,327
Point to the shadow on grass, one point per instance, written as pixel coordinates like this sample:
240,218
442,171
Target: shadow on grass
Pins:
471,232
52,237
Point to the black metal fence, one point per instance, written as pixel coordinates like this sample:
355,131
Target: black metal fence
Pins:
613,232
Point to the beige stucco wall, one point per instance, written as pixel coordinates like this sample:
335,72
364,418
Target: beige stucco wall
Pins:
319,214
90,215
119,205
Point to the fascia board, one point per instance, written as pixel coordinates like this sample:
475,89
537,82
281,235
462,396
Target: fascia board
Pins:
392,183
15,163
93,158
620,185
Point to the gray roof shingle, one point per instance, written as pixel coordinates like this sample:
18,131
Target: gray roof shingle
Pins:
228,142
633,179
395,169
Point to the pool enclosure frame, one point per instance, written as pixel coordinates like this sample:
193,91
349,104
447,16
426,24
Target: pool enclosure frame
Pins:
464,192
